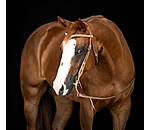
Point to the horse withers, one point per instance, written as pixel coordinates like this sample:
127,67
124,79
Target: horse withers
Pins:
87,61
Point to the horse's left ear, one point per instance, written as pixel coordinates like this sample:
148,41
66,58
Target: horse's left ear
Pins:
97,46
82,25
100,47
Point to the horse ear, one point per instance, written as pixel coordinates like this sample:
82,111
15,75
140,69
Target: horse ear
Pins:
82,25
64,22
98,47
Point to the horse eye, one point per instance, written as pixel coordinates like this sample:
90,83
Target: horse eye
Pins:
79,51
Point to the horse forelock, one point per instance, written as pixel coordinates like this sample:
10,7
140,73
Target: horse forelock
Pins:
72,30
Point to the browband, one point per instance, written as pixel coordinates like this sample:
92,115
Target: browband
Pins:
80,35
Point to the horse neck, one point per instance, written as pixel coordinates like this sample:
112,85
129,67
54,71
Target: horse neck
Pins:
107,34
103,70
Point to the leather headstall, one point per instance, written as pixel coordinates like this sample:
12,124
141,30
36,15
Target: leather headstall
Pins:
80,72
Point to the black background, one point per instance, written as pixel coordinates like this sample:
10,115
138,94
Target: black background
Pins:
24,17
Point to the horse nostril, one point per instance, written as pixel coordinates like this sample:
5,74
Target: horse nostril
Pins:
61,90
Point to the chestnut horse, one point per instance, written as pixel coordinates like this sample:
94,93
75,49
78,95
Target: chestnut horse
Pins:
86,61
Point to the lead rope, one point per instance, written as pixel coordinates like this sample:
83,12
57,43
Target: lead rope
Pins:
99,98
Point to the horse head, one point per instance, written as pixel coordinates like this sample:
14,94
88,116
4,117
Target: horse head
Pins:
74,50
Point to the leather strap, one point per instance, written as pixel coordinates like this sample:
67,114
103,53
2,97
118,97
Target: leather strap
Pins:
103,98
80,35
95,54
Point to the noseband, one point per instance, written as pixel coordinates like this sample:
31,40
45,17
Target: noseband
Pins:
80,72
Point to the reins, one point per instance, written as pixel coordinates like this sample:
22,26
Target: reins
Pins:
80,72
103,98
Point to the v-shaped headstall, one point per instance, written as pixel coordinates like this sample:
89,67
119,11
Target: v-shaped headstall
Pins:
90,36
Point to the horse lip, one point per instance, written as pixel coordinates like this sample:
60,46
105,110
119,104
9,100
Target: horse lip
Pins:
65,92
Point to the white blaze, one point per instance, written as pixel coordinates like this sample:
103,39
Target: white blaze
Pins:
65,64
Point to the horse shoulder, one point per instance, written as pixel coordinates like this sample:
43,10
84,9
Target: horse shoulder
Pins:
31,54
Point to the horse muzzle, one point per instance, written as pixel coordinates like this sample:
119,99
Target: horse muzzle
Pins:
60,89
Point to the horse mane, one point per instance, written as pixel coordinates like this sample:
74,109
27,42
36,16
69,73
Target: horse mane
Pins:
88,19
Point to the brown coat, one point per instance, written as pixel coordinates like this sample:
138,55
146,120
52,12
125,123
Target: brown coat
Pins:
40,60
